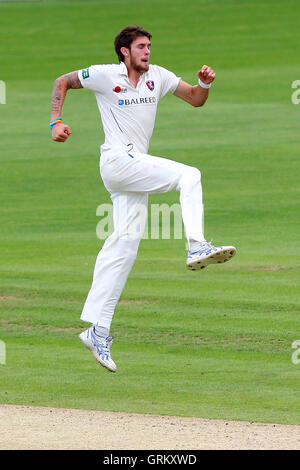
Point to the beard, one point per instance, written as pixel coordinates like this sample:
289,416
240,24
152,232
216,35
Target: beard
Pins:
139,67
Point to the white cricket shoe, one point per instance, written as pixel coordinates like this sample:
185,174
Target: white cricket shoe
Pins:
209,254
99,347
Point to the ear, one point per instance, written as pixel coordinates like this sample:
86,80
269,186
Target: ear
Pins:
124,51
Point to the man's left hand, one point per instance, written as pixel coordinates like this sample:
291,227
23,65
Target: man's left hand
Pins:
206,74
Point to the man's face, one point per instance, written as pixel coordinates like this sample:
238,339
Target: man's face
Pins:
138,55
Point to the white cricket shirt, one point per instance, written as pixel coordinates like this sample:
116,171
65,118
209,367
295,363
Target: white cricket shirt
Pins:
127,113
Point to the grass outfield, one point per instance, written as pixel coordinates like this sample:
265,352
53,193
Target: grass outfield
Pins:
213,344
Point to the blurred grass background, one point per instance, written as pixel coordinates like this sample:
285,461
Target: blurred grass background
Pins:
212,344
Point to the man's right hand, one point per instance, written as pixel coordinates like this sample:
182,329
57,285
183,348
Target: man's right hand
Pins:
60,132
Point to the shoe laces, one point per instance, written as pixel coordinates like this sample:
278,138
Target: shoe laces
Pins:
103,344
204,246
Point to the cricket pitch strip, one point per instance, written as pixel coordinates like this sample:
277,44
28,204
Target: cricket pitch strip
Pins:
39,428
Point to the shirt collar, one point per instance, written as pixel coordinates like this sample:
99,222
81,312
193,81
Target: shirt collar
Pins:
123,69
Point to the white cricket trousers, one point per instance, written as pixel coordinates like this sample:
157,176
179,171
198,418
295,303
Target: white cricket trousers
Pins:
130,177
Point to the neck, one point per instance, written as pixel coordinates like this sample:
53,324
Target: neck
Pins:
133,75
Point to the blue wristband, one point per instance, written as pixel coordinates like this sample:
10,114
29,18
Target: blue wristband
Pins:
55,121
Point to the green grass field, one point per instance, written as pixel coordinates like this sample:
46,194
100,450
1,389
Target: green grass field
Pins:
213,344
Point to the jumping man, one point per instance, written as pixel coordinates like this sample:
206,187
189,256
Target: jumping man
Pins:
127,95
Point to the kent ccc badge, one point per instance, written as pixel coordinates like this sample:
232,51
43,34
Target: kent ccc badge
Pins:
150,85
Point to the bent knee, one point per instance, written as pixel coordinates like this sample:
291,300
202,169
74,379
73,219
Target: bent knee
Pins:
191,176
196,173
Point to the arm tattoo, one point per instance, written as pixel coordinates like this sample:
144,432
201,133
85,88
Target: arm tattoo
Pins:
73,80
61,85
58,96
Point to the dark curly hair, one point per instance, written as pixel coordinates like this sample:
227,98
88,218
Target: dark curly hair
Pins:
126,36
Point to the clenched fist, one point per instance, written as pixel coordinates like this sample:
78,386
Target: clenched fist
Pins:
206,74
60,132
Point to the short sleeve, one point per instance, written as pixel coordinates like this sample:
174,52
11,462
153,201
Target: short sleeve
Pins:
93,78
169,81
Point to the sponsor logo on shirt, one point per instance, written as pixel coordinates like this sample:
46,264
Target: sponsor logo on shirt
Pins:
150,85
85,73
118,89
146,100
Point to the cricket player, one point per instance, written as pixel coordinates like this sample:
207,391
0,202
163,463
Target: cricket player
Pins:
127,96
